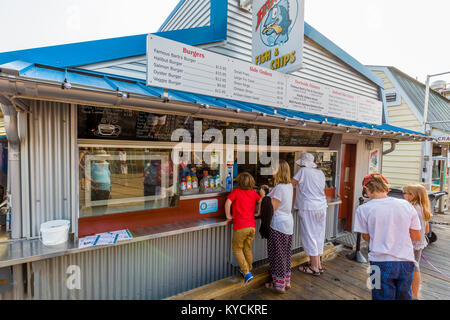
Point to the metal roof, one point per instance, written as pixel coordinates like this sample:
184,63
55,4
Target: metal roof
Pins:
126,87
439,106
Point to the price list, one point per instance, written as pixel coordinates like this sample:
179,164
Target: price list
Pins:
307,96
256,85
177,66
369,109
173,65
342,104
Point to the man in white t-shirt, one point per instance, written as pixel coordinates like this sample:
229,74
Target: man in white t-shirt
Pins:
389,225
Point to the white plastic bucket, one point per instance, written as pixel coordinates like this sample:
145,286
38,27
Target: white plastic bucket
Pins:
55,232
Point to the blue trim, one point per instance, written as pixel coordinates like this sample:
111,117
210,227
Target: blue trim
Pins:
98,81
385,110
192,37
171,14
111,83
81,53
154,91
327,44
406,97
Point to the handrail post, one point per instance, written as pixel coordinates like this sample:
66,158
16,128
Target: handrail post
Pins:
357,255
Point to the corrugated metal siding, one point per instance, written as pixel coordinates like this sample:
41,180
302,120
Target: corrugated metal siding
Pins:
319,64
260,245
191,14
18,291
152,269
47,155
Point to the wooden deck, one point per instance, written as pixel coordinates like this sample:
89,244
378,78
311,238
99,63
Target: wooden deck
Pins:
346,280
343,279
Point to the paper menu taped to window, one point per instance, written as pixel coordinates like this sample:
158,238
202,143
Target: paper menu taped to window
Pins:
106,238
123,234
87,241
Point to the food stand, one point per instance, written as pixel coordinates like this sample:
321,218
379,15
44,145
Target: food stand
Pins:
97,149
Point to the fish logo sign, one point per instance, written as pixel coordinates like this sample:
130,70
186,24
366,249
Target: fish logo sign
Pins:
276,19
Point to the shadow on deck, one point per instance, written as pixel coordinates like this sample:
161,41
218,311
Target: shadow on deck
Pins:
346,280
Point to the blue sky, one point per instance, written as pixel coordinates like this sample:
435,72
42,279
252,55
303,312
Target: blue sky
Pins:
411,35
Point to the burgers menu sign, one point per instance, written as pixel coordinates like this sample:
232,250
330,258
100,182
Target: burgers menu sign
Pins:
173,65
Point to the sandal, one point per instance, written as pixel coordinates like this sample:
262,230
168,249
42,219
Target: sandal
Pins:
304,269
280,291
321,270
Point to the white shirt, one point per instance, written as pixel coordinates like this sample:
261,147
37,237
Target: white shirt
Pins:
388,221
122,156
282,219
310,190
423,241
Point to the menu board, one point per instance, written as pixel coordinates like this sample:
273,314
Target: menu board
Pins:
342,104
173,65
306,96
256,85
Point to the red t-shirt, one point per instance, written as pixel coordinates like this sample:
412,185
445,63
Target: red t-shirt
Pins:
244,202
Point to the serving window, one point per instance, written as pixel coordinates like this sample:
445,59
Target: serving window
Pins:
126,160
326,161
115,180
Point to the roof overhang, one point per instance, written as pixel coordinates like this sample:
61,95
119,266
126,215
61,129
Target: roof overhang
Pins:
31,81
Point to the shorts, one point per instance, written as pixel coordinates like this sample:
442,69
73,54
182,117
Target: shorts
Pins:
417,256
395,280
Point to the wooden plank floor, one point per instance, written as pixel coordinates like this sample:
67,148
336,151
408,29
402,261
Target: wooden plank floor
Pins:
346,280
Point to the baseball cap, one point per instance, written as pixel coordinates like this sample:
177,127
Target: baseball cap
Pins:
370,177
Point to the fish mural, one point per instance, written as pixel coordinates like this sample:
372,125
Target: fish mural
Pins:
276,26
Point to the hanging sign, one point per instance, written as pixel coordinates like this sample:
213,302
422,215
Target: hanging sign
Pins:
374,161
173,65
277,34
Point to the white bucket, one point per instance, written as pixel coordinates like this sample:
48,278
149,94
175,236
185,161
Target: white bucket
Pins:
55,232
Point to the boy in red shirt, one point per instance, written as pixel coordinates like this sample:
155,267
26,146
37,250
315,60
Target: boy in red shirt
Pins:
244,199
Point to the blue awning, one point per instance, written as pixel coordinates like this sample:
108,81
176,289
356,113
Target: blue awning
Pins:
129,86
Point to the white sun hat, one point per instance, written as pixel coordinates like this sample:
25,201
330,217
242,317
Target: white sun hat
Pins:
307,160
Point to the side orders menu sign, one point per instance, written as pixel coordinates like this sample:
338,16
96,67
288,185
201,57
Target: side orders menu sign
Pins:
173,65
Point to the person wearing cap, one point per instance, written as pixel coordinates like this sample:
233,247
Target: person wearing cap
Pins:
390,226
311,204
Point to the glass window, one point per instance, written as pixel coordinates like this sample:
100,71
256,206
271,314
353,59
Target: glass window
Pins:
115,180
203,173
255,169
326,161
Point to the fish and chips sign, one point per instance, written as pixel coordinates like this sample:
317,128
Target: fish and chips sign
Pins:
278,28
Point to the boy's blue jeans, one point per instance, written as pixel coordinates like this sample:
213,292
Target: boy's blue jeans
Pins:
396,279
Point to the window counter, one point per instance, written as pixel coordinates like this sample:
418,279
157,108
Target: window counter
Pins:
24,251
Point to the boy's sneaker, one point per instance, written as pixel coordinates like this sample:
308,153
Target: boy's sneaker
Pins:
248,277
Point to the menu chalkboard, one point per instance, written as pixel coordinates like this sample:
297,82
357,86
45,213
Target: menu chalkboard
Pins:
121,124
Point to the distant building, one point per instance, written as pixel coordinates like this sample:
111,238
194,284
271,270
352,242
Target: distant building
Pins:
442,87
404,99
